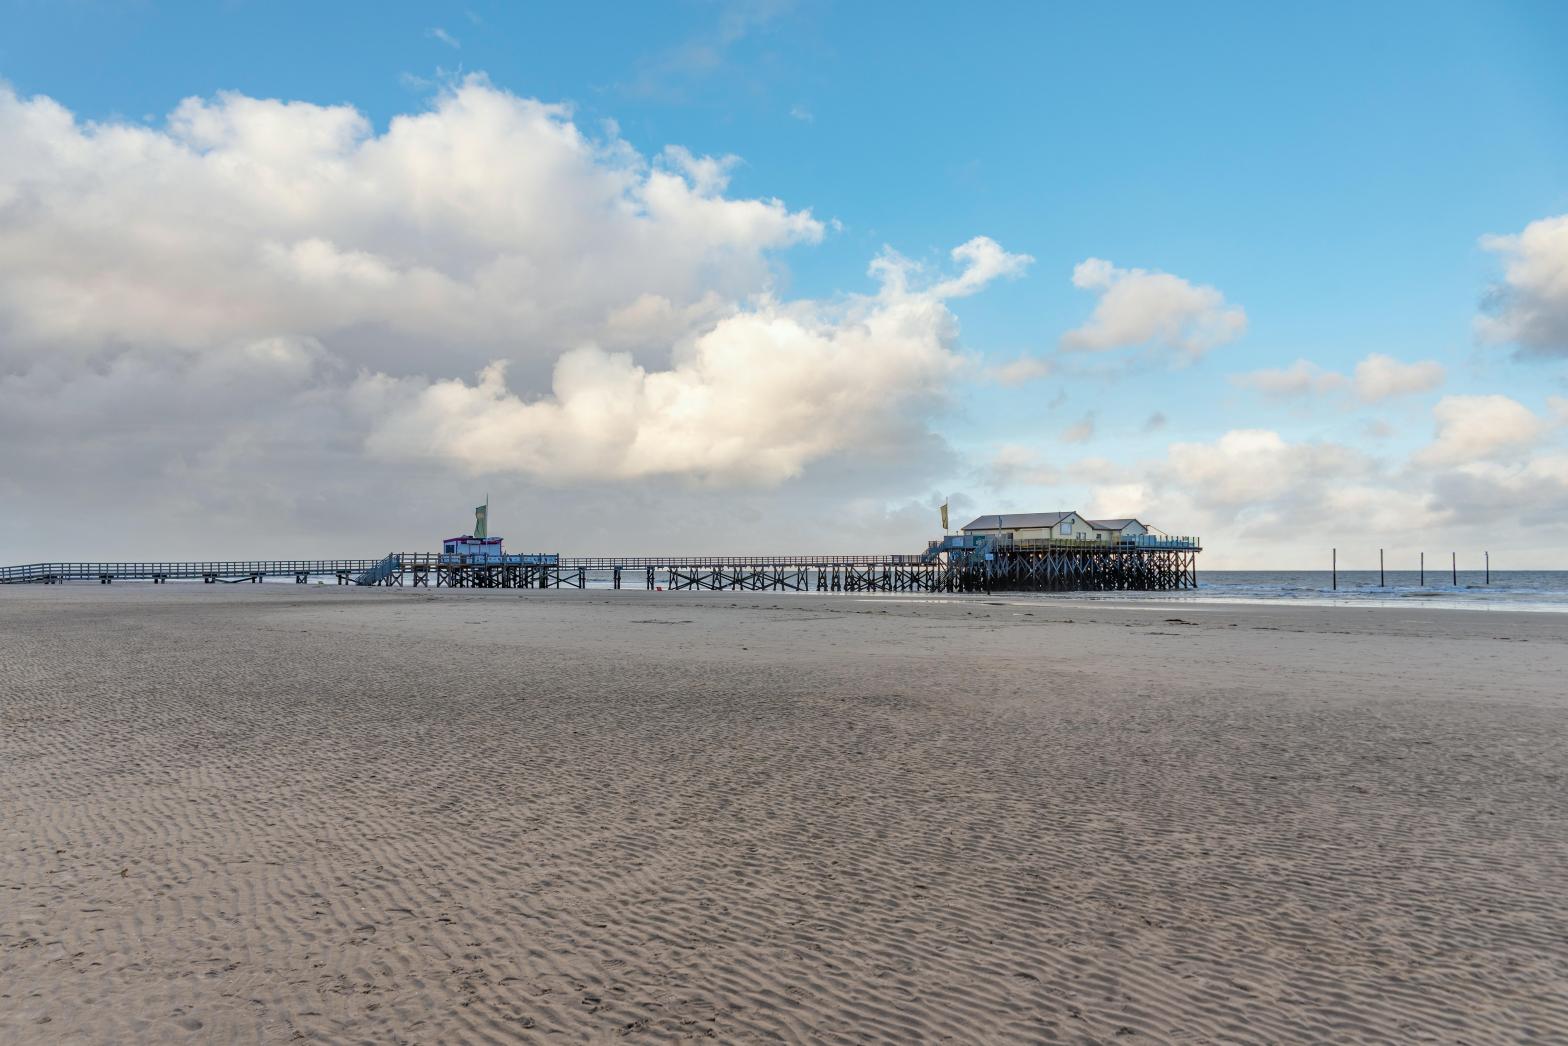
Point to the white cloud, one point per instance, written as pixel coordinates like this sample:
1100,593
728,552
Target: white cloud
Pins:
1380,377
1530,307
1377,377
1020,371
1155,309
755,399
1258,465
1477,428
1299,379
1115,500
1261,500
801,113
262,313
982,260
487,226
437,33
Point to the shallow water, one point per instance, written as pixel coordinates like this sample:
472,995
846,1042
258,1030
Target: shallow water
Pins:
1541,590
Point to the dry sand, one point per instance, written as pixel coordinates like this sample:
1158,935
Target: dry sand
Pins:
261,814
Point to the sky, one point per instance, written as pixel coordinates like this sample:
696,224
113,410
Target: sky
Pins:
287,280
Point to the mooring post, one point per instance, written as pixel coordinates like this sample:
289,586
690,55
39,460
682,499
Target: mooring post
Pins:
1423,570
1488,568
1454,564
1381,581
1334,568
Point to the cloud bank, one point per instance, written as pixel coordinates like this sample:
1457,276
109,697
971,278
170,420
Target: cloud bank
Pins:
258,311
754,399
1260,499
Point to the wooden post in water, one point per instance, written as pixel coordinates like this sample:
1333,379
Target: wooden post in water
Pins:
1454,564
1488,568
1334,569
1423,570
1381,582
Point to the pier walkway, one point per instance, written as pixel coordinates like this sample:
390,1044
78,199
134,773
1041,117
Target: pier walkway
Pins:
1068,566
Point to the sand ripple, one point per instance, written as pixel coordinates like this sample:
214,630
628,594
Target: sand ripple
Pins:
474,817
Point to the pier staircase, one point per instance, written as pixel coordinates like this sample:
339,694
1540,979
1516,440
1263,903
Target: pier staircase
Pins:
379,573
956,546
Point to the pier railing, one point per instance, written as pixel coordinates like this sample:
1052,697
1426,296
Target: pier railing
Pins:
151,570
632,562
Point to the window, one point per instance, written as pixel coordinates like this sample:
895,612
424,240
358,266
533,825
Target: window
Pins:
1067,529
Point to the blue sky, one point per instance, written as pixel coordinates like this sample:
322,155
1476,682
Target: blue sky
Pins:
1329,169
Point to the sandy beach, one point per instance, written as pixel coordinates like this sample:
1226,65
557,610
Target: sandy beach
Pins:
275,813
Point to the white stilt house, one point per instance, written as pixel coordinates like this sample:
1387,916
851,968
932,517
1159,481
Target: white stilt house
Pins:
1020,527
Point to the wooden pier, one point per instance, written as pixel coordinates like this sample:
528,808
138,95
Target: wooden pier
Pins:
1038,567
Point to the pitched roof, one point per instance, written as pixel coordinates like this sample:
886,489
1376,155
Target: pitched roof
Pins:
1114,524
1018,521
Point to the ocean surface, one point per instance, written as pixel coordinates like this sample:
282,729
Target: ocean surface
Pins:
1543,590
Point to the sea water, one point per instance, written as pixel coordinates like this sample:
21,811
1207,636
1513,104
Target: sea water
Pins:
1545,590
1507,589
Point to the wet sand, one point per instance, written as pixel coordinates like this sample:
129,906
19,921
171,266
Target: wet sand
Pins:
270,814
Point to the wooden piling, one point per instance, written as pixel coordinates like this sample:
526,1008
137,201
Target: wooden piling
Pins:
1334,569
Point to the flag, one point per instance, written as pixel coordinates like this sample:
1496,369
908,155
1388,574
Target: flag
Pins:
482,519
944,515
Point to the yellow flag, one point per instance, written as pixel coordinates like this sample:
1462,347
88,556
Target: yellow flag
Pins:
944,515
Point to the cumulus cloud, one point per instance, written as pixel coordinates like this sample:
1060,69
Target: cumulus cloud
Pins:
1530,306
258,313
1380,377
1531,493
755,399
1258,465
1376,378
1138,307
1260,499
488,225
1478,428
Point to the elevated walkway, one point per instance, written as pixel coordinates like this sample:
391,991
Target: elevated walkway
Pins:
958,563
